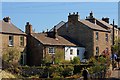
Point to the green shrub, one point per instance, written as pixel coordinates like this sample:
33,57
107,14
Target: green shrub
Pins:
76,60
65,62
11,56
102,60
56,75
55,70
92,60
68,71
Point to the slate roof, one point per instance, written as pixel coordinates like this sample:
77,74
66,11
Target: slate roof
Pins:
6,27
58,25
92,25
105,23
45,40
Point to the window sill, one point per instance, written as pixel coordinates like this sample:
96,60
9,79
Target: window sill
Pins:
10,45
51,53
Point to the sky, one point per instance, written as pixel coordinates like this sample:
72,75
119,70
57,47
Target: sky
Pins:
45,15
59,0
119,13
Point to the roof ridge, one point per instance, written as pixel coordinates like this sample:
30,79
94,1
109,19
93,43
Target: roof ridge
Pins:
92,25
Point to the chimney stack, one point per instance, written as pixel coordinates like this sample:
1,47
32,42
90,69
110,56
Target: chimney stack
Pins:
91,18
55,32
52,34
7,19
91,14
28,29
73,18
105,19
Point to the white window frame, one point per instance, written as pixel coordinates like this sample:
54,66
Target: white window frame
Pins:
11,41
51,50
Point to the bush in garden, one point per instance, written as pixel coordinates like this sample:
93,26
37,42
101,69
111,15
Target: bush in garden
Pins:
65,62
68,71
56,71
102,60
11,56
76,60
77,68
56,75
92,60
90,70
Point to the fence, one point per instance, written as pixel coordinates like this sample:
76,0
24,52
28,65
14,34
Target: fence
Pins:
98,75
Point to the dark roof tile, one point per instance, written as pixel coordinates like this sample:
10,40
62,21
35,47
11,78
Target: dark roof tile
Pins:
6,27
45,40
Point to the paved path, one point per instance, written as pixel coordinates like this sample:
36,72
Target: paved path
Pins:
115,75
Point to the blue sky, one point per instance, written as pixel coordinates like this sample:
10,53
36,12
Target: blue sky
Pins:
119,13
44,15
59,0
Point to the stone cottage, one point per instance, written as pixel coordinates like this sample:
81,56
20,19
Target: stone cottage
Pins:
92,36
51,47
12,37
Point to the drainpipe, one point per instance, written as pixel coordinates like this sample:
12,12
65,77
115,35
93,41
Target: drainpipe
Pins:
113,32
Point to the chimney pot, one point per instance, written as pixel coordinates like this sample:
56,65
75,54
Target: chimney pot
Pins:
91,14
77,13
105,19
7,19
73,12
27,23
69,13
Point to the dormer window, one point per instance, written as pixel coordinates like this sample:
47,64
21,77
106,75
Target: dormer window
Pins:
11,40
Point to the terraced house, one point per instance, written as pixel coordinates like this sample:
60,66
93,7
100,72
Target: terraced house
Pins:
51,47
12,37
74,38
95,38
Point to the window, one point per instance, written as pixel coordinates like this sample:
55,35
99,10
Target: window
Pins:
10,40
106,37
51,50
97,50
71,51
97,36
77,52
23,58
21,40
